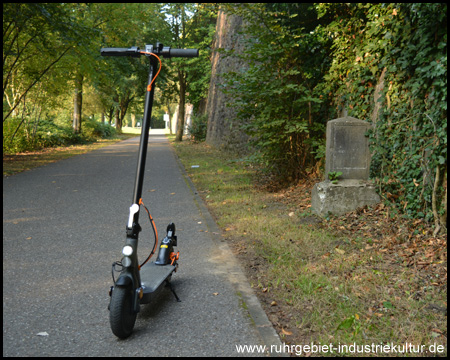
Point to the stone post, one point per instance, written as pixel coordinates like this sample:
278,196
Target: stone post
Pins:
347,152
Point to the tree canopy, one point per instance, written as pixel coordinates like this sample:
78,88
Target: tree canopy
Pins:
51,62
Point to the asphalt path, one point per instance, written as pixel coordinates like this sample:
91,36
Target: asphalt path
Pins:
63,227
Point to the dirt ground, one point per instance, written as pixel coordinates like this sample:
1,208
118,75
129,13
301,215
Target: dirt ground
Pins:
421,253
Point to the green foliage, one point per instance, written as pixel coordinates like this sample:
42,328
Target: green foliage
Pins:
333,176
402,48
303,64
191,26
93,129
201,29
49,133
36,39
276,92
198,128
19,142
384,63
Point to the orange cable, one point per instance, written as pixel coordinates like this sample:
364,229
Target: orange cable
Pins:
149,87
156,233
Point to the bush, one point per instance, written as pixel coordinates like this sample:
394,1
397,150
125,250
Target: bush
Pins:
276,93
19,142
50,133
93,129
331,57
198,127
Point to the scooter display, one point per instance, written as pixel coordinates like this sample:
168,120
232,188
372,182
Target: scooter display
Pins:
139,283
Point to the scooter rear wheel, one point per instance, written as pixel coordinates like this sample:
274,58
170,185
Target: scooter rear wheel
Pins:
121,314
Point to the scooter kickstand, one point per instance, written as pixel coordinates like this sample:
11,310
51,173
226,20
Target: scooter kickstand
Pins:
169,285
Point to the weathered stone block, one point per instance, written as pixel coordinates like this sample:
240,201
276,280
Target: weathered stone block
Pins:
347,151
342,197
347,148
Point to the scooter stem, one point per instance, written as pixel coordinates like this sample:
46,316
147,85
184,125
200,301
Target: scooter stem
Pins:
142,155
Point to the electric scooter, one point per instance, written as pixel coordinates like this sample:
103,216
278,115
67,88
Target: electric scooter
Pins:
139,284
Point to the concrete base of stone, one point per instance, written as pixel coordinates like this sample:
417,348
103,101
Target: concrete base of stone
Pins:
343,197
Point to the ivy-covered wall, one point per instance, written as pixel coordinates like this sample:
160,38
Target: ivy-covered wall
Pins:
307,63
390,67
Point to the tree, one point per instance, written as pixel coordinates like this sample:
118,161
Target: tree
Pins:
122,80
51,55
77,103
80,60
277,92
191,27
35,38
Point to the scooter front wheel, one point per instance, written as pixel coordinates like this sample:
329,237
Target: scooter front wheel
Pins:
121,314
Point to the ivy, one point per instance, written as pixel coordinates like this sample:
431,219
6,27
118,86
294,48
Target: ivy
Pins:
385,63
407,43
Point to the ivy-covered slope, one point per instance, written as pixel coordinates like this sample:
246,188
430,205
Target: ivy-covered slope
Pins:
307,64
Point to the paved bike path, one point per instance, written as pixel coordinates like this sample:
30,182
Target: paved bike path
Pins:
63,227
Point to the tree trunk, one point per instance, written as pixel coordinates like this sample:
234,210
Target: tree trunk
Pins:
202,107
110,115
181,107
124,103
117,119
167,107
77,103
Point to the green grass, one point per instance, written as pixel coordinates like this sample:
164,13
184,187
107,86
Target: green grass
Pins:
335,289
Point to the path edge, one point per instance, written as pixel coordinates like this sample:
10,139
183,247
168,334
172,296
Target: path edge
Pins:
232,268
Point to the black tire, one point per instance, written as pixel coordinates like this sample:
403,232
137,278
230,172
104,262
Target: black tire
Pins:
121,314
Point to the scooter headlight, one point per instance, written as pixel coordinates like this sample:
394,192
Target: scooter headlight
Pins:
127,250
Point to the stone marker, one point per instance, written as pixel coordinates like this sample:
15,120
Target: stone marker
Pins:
347,151
347,148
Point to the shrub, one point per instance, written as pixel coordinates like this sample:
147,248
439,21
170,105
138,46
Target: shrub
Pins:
198,127
49,133
93,129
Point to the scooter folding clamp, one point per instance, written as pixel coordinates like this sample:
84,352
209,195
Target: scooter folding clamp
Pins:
134,230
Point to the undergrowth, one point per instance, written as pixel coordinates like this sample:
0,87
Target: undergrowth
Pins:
370,277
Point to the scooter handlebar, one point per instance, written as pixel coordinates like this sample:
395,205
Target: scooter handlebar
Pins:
133,51
164,51
189,53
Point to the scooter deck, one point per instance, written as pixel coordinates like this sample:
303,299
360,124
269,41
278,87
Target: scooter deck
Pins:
153,277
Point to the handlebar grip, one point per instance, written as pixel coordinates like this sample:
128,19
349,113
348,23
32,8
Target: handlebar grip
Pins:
119,52
183,53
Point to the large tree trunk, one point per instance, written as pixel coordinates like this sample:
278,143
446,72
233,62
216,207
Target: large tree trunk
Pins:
77,103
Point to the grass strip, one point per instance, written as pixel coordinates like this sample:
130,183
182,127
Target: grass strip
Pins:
320,284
